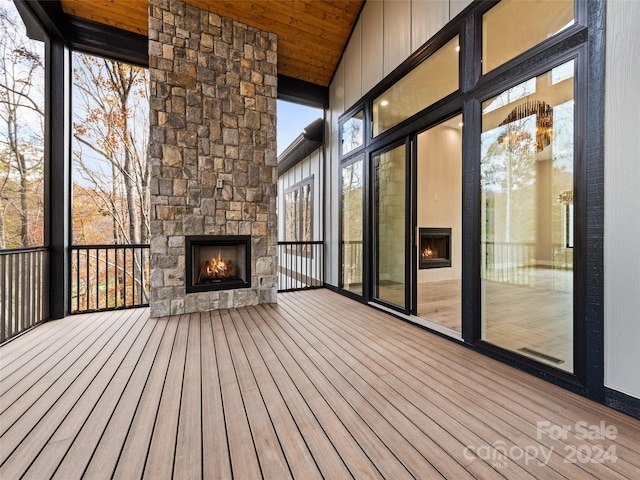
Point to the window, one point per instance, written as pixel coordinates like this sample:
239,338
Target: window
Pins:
110,162
432,80
527,180
352,133
22,115
352,226
298,208
513,27
110,182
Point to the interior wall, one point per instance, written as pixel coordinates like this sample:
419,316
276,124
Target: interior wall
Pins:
386,33
439,186
622,199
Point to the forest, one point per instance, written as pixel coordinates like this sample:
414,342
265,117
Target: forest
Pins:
109,164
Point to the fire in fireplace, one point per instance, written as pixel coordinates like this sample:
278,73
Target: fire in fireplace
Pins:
435,248
217,262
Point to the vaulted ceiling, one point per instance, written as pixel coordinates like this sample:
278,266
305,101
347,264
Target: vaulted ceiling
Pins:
311,34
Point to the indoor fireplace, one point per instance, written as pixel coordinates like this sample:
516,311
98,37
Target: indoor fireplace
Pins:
215,262
435,248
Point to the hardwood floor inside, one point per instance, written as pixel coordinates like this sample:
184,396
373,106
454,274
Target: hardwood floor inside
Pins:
317,386
534,320
441,302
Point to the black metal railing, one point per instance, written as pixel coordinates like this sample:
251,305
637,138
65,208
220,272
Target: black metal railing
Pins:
24,287
106,277
300,265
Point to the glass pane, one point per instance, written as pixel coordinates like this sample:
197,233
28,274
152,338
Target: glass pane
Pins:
432,80
513,27
352,227
439,222
352,133
110,143
527,219
291,216
21,133
305,211
389,208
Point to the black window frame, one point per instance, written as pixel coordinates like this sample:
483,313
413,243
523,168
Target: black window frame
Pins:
300,227
585,36
357,157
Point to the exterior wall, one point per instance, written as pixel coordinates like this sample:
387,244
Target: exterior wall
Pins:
212,116
386,34
309,167
622,199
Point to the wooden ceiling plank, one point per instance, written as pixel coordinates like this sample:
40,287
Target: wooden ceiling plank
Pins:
117,15
312,33
284,32
307,56
257,14
341,14
124,25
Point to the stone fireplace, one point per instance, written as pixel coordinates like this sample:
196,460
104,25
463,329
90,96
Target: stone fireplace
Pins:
216,262
213,159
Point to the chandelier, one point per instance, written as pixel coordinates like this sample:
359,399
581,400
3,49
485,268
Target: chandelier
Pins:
544,120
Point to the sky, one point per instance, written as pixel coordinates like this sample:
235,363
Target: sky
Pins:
292,119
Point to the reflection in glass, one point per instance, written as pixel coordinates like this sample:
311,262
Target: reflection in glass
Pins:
291,215
352,133
527,228
352,227
513,27
389,209
432,80
298,211
439,222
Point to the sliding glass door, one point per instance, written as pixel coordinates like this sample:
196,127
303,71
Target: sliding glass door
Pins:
389,228
527,218
438,228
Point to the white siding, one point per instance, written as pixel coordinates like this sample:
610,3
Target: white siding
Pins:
387,32
396,33
371,18
622,199
427,17
336,108
456,6
353,68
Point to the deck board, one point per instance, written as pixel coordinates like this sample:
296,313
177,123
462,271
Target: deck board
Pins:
318,386
33,423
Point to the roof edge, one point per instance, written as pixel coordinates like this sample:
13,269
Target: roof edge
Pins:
304,145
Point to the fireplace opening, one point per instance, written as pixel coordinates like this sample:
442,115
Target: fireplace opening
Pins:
435,248
217,262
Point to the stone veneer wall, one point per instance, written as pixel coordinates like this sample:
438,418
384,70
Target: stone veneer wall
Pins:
213,117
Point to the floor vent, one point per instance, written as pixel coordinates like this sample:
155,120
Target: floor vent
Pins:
544,356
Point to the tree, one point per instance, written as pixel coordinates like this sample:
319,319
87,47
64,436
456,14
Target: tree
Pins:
111,167
111,137
21,133
508,167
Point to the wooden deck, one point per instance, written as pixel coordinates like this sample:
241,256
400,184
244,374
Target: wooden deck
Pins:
317,386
